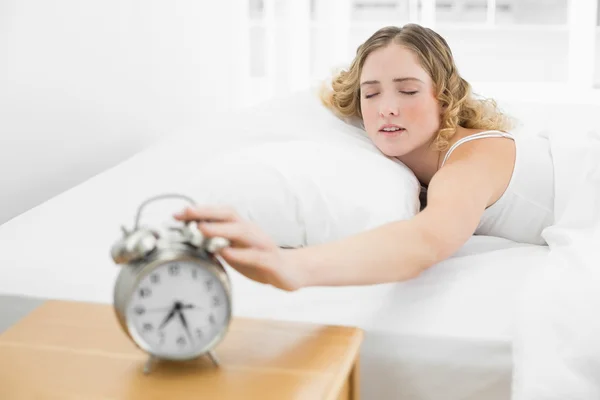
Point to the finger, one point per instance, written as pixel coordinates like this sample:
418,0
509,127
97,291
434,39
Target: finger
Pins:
239,234
207,213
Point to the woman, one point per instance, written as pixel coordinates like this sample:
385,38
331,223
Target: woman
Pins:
404,86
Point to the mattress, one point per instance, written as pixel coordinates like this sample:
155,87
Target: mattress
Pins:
444,335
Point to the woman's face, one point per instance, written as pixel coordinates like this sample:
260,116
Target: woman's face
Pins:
399,109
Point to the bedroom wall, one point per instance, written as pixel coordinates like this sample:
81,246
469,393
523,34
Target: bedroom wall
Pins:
84,85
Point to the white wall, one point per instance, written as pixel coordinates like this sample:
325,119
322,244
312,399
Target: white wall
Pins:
86,84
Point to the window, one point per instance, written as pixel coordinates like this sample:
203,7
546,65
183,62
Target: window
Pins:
499,42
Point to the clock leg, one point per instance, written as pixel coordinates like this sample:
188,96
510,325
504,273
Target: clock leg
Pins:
148,365
213,358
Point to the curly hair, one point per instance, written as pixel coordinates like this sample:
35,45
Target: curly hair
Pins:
460,106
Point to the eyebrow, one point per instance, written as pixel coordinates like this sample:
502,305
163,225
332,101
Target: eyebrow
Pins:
394,80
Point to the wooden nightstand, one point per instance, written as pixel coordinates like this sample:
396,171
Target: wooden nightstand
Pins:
71,350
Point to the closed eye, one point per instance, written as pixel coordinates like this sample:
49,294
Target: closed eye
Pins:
368,96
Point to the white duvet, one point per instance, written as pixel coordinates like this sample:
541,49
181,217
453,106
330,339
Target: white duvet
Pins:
557,343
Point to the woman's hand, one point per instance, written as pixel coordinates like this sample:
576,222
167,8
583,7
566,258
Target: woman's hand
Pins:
252,252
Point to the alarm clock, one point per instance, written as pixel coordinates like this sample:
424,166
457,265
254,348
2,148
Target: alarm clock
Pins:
172,296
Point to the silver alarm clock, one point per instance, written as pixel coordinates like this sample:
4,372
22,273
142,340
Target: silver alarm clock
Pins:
172,296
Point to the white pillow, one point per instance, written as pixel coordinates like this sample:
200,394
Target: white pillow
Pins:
304,192
304,175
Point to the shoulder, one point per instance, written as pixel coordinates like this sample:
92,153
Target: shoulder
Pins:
480,146
488,162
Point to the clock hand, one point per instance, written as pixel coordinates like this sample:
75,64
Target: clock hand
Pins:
191,306
168,317
185,325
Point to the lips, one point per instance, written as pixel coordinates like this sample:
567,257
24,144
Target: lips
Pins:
391,129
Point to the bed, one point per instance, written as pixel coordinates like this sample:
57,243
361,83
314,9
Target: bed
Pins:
447,334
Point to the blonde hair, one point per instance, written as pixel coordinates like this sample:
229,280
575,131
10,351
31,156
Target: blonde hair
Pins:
460,107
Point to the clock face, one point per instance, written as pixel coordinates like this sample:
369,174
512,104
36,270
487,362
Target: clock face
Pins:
177,310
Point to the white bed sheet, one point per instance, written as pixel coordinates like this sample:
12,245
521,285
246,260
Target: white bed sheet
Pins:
446,335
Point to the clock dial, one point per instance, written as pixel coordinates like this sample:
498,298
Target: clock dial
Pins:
178,309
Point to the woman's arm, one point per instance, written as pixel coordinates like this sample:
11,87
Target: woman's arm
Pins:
457,196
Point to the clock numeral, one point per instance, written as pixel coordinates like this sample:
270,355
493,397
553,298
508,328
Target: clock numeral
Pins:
161,337
209,284
211,319
199,332
145,292
155,278
181,341
139,310
174,269
147,327
216,301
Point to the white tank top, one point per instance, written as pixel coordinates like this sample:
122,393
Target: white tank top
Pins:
526,207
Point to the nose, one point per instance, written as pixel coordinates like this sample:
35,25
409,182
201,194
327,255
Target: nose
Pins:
389,107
